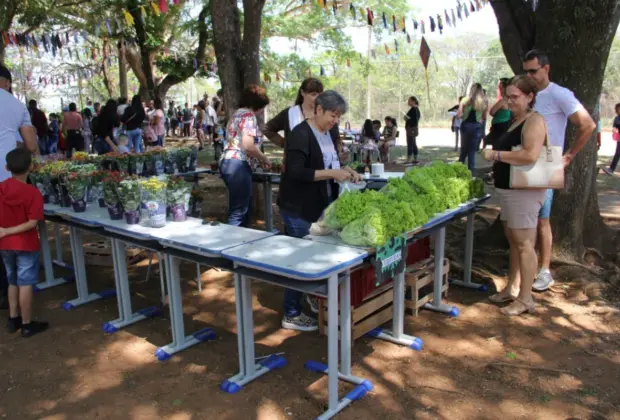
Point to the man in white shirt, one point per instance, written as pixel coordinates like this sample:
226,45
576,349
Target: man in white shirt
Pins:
557,105
211,121
15,128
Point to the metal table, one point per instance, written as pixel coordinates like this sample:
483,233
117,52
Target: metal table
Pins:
46,255
202,244
77,223
436,227
310,267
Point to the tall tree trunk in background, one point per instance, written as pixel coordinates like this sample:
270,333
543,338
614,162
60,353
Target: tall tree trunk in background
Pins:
122,68
238,59
141,58
578,36
2,52
105,69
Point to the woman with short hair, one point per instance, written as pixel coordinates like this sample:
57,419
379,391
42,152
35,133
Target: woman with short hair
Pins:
519,207
242,154
309,184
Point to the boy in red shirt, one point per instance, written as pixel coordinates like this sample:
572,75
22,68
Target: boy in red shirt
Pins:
21,208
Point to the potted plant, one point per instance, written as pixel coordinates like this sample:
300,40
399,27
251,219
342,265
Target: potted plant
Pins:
193,159
123,163
154,198
170,162
77,187
178,196
80,157
158,157
195,206
110,183
184,159
136,164
130,198
95,188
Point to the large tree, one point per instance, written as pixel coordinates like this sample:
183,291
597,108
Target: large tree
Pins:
578,35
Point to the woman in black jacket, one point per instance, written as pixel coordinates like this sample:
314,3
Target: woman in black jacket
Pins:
308,185
106,121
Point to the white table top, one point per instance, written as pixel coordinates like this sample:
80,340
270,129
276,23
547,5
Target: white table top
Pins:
296,258
50,209
91,217
208,240
138,231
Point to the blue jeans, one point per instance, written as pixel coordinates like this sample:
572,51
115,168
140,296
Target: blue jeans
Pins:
160,140
296,227
471,134
237,176
43,145
22,267
101,146
135,139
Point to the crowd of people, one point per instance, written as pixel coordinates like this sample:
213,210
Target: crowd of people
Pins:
531,113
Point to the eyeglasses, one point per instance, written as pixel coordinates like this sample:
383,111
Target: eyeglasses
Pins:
513,98
533,71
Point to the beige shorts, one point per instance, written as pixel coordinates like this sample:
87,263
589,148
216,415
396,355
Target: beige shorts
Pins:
520,208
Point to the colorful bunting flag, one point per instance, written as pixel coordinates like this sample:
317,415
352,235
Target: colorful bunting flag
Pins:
155,8
163,6
128,18
384,20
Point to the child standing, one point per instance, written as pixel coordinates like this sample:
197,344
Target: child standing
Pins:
54,127
123,141
21,208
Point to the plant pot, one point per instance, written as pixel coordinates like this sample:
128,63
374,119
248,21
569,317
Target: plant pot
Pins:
157,213
79,206
115,212
179,213
139,168
102,203
158,166
132,217
63,196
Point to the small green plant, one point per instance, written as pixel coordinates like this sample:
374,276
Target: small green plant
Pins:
511,355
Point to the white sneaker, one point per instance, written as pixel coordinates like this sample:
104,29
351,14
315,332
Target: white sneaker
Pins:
313,301
300,323
543,281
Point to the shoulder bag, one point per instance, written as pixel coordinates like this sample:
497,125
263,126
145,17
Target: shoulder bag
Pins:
546,173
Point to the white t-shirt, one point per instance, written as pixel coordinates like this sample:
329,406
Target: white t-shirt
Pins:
556,103
120,110
14,115
211,116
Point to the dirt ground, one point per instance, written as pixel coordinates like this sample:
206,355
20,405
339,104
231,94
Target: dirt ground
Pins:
562,363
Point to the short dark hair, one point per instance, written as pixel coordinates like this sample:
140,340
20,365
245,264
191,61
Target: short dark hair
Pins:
18,161
158,104
254,97
376,122
414,99
32,103
617,106
72,107
540,55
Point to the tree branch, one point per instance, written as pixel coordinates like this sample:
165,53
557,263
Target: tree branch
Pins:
517,28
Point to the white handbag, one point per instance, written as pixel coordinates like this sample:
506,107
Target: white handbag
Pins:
546,173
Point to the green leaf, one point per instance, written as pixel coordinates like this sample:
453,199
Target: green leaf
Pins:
511,355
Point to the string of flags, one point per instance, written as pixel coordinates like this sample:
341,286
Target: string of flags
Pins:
398,26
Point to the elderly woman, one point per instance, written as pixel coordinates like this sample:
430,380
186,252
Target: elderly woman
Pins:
242,154
519,207
309,184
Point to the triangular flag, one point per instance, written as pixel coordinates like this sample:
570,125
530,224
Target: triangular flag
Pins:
408,39
155,8
163,6
425,52
387,49
352,10
384,20
439,24
107,25
142,14
402,25
396,45
430,18
371,17
453,19
348,63
278,76
322,71
394,22
128,18
447,17
362,12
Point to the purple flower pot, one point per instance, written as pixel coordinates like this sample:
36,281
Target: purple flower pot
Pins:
132,217
179,213
79,206
102,203
115,212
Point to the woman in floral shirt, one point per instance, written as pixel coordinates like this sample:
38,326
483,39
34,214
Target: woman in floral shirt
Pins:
242,154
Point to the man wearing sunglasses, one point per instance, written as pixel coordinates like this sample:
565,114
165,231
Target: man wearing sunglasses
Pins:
557,105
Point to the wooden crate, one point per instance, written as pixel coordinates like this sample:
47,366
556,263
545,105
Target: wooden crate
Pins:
100,254
419,279
375,310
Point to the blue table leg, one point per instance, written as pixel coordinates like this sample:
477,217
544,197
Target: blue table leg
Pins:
436,304
81,282
396,335
48,267
469,252
249,370
58,245
123,295
332,369
179,340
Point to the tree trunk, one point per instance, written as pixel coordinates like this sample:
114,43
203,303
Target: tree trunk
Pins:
2,52
105,69
122,68
579,51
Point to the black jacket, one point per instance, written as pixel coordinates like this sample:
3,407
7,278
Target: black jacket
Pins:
133,119
414,117
299,192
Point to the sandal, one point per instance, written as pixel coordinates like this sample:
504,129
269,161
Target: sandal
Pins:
518,307
499,298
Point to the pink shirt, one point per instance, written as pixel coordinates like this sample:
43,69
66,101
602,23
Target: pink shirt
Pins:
159,129
72,121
